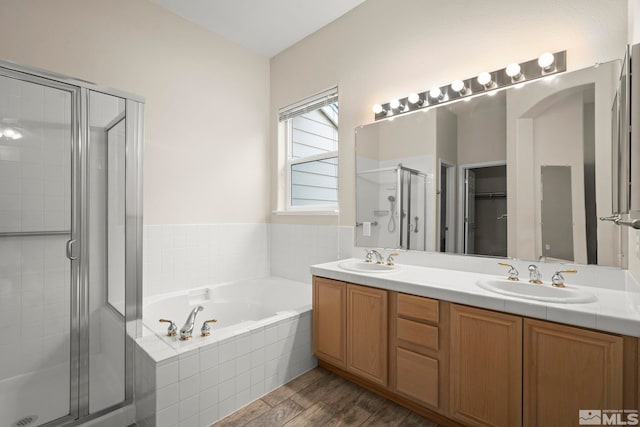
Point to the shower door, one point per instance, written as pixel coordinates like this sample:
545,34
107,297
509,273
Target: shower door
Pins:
38,282
70,254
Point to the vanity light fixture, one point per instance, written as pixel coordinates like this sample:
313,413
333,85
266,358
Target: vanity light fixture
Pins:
545,61
378,109
514,71
436,93
484,79
414,98
515,74
458,86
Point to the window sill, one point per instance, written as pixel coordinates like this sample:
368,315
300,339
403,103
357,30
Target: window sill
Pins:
310,212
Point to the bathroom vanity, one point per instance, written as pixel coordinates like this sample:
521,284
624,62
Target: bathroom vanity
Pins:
435,342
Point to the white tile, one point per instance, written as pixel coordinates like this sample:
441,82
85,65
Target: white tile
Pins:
271,351
243,364
189,364
209,416
271,368
189,407
257,374
191,422
243,344
208,398
227,406
257,390
243,381
209,378
167,396
227,370
168,417
227,350
167,374
189,387
226,390
270,334
284,329
243,398
584,318
208,358
257,357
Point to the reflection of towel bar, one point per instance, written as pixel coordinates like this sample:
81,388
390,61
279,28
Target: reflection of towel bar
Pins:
634,223
374,223
503,216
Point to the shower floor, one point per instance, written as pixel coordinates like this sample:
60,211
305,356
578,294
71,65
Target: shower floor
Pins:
43,393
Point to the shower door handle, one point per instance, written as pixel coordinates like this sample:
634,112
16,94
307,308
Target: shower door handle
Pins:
70,250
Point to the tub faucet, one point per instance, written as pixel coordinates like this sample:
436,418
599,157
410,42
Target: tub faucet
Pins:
534,275
187,330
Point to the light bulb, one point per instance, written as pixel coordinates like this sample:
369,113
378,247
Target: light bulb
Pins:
414,98
11,134
457,85
435,93
514,71
377,109
545,61
394,103
484,79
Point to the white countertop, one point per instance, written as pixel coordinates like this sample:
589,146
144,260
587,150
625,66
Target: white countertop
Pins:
612,312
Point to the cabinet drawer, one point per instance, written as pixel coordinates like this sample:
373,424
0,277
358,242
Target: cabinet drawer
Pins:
414,334
418,308
417,377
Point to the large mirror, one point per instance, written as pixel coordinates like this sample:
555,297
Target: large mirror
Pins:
524,173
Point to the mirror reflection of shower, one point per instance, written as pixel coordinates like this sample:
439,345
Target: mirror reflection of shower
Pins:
400,193
391,227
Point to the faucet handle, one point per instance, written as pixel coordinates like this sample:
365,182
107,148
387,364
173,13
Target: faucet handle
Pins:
513,273
390,260
534,274
205,331
369,256
172,330
557,280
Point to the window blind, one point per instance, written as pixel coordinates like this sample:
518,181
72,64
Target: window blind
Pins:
312,103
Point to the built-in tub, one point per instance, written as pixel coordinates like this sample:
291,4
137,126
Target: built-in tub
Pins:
237,307
261,341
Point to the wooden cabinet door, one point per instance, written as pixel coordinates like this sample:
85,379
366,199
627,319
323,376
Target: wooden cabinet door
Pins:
567,369
486,367
417,376
330,320
367,333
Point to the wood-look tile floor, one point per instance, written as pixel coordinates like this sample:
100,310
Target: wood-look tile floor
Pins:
321,398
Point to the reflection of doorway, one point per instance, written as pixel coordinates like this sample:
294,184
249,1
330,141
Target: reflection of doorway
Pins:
484,213
446,209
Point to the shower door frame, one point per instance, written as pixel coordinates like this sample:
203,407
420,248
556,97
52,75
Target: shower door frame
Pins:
78,243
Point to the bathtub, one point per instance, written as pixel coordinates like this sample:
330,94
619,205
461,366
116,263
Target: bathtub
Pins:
237,307
261,340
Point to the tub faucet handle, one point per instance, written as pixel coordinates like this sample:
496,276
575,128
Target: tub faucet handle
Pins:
172,330
206,329
558,280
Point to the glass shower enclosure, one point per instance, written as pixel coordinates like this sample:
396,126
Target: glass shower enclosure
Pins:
70,247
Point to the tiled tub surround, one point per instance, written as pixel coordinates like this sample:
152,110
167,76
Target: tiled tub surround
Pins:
615,310
185,256
196,386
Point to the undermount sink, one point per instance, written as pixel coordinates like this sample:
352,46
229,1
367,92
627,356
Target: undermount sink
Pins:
544,292
367,267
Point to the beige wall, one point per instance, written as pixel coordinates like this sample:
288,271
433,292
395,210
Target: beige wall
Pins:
383,50
206,126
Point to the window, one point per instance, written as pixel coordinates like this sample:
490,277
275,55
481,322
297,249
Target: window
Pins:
311,136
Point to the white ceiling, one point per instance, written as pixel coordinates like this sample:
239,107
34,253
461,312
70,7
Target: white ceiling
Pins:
265,26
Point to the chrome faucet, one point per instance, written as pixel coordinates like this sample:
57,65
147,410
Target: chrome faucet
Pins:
557,280
390,260
187,330
534,275
371,253
512,273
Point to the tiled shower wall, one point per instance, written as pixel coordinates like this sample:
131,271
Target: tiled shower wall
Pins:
34,196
